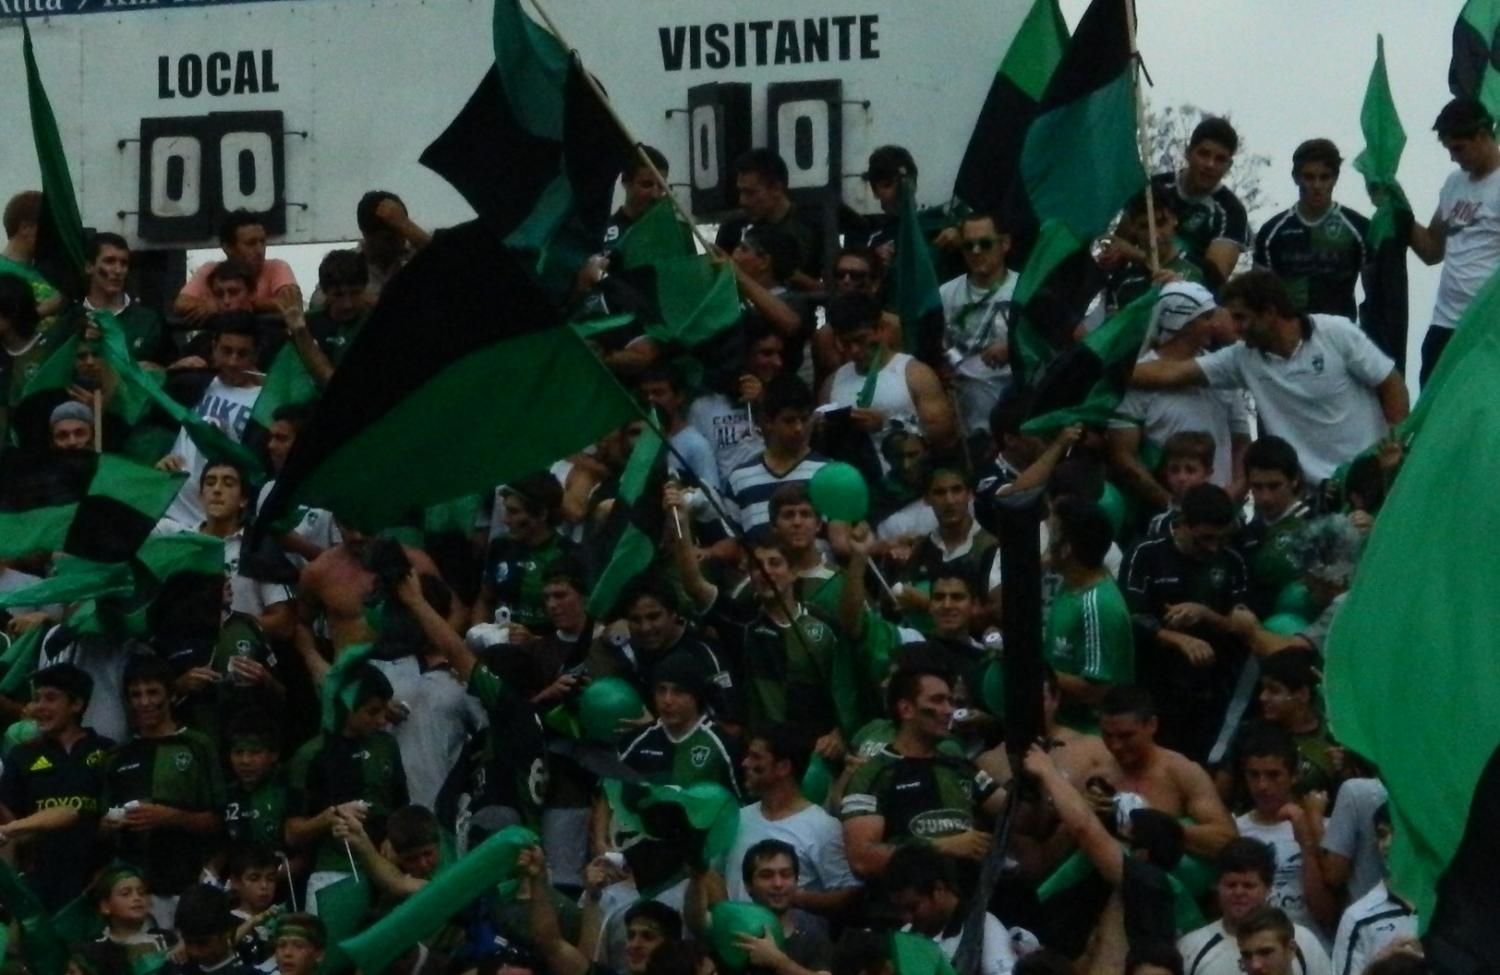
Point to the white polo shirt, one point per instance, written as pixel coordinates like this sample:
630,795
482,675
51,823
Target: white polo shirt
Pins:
1321,399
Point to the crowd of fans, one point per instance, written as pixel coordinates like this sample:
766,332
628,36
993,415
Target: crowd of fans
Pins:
1185,810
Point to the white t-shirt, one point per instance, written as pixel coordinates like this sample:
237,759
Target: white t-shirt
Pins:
997,956
1470,212
1321,400
917,518
226,407
1211,951
813,833
1369,924
441,715
892,397
1159,413
1287,891
1351,832
728,429
975,319
316,526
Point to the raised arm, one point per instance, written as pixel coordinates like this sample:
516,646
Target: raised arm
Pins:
684,553
1167,374
561,957
437,629
1078,818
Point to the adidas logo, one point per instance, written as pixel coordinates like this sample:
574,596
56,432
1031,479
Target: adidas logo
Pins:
40,765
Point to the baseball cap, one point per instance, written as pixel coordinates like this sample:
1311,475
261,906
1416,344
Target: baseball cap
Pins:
1180,304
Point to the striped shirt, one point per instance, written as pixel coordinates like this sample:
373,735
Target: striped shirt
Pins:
1369,924
752,484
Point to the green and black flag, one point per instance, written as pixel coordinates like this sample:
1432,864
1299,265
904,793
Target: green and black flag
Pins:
916,285
989,174
1384,313
1474,71
628,543
1408,588
535,152
493,386
98,507
60,246
687,298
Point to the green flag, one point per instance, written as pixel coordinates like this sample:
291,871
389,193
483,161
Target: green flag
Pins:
535,152
635,523
690,298
99,507
1087,381
1411,591
1384,314
916,284
176,593
1472,71
60,231
51,386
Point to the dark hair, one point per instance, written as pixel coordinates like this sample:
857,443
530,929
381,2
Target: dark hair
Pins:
1400,963
786,744
1159,834
1271,453
234,221
861,953
250,856
861,253
993,216
252,723
1260,291
1461,118
343,269
934,472
1265,740
952,570
1135,207
1382,816
72,680
241,324
786,496
310,923
764,850
1245,855
233,465
1086,529
569,571
539,494
1125,700
369,684
853,311
668,921
145,668
777,246
906,683
202,912
1012,410
1189,445
364,210
633,164
663,372
1266,918
917,867
765,163
1317,150
672,958
294,413
1294,668
18,305
785,392
1080,476
411,827
1157,954
230,270
23,208
1207,504
102,239
890,162
652,586
1215,128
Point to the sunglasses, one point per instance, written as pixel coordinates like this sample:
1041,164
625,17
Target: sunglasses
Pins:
981,245
850,274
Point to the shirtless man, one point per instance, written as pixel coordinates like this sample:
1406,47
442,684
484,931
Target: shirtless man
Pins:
1167,780
336,584
1037,842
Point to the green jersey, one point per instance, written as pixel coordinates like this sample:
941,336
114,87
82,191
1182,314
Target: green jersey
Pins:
919,798
704,754
1133,280
1320,261
512,768
180,770
257,815
333,769
1088,634
142,326
874,737
17,369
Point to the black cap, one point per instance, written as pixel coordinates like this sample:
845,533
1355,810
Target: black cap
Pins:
1463,116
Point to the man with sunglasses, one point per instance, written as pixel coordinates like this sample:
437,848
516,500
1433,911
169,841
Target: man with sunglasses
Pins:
976,309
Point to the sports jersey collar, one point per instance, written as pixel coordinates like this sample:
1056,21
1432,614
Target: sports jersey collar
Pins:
1179,185
702,720
89,306
1330,212
963,548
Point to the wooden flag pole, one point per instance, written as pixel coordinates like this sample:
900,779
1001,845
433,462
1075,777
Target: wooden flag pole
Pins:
635,144
1140,136
98,397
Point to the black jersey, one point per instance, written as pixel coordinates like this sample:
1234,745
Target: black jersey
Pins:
1320,261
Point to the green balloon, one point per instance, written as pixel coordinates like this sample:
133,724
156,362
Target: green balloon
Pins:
729,919
19,733
1286,624
1296,600
1113,504
817,781
840,493
604,704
